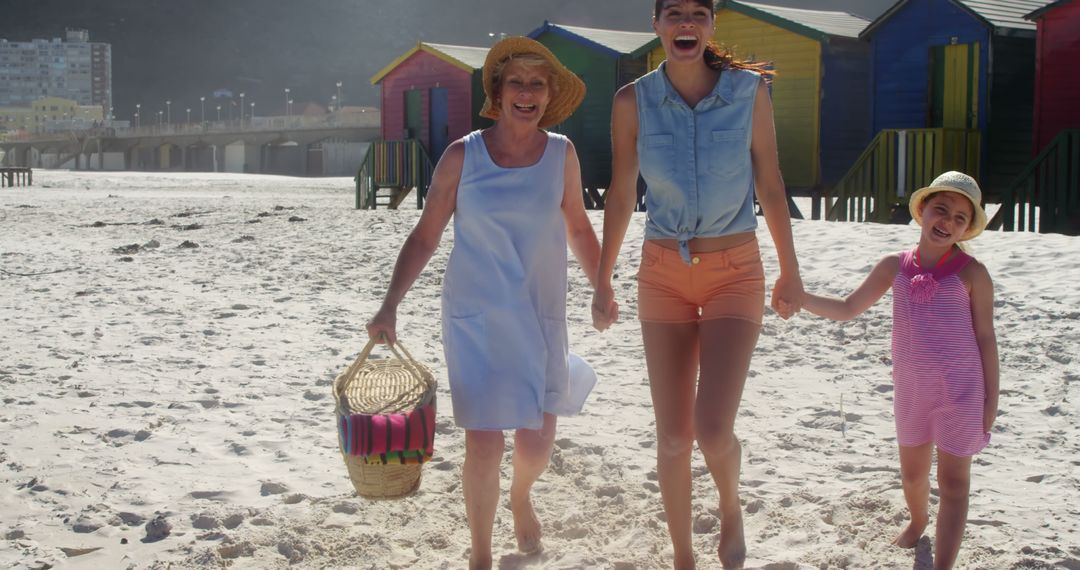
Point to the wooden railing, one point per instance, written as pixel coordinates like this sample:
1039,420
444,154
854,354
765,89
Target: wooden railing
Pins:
16,176
396,166
1045,197
895,164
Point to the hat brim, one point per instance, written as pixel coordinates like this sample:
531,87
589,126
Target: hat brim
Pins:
978,224
569,89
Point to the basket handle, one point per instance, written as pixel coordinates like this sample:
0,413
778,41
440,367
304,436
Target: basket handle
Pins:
408,360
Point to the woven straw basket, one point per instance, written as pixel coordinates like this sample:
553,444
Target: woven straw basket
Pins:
383,386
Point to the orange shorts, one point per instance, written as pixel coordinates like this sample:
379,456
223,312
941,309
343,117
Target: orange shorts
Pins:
725,284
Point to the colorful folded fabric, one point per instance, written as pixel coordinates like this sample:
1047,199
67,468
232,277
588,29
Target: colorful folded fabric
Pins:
376,435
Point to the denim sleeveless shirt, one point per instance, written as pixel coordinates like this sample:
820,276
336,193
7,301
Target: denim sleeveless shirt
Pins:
696,161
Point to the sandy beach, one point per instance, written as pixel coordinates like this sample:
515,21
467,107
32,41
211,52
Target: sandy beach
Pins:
169,342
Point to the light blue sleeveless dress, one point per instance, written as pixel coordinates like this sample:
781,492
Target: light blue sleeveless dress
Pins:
504,295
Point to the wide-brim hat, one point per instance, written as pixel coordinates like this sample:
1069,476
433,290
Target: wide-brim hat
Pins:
568,92
959,183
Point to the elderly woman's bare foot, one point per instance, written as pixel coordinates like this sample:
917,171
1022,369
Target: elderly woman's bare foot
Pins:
732,549
910,536
526,525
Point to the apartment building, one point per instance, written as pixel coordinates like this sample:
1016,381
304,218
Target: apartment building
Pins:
70,68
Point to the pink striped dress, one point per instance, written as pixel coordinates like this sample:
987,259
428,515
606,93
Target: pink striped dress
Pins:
937,367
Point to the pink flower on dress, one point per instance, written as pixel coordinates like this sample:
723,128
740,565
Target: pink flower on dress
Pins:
923,288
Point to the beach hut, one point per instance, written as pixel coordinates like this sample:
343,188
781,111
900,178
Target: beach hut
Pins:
821,90
1046,194
432,93
1057,85
965,67
605,60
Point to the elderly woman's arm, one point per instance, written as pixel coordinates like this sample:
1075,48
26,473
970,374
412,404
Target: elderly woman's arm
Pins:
422,241
579,231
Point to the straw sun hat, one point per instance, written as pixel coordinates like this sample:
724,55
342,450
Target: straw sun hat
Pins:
959,183
568,90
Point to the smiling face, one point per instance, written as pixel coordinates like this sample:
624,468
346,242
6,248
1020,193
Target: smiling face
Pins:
524,89
684,26
945,218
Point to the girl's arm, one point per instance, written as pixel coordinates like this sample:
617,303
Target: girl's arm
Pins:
872,288
579,230
787,294
982,317
422,241
618,202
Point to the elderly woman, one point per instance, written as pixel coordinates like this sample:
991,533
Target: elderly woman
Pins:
514,192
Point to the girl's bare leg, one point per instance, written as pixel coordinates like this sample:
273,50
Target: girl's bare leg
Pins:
915,477
726,348
480,483
954,486
532,450
671,355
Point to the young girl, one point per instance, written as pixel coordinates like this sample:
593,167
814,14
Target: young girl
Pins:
945,357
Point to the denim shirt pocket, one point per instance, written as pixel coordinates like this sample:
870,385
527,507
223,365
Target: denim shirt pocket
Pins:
658,156
728,152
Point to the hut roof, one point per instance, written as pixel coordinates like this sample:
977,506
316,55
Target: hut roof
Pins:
1039,13
613,42
1000,15
818,24
467,58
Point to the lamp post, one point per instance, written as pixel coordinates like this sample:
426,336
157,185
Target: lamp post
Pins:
202,109
138,107
251,119
333,102
168,112
136,121
189,115
340,99
241,108
286,101
219,113
288,107
159,114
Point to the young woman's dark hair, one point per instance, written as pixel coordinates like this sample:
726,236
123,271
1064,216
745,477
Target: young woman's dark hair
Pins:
721,58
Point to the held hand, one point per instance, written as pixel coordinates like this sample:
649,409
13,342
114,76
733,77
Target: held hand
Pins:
787,296
605,310
383,326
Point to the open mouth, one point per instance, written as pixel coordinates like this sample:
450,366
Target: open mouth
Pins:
941,233
524,108
686,42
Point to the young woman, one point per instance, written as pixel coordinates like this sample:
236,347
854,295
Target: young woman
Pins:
700,131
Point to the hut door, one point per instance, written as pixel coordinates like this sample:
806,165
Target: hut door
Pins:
414,117
440,121
954,86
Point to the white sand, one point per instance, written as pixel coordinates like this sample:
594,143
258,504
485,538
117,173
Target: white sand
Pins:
194,384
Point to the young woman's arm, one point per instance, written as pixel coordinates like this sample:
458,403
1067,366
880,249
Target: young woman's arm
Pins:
618,202
787,295
982,317
579,231
872,288
422,241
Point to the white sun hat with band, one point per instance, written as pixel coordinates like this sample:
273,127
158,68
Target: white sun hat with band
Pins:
959,183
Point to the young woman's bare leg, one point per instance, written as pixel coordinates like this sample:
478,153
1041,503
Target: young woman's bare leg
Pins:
480,483
726,348
532,451
671,355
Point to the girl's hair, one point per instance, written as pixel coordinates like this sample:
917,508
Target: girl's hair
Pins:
721,58
528,60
